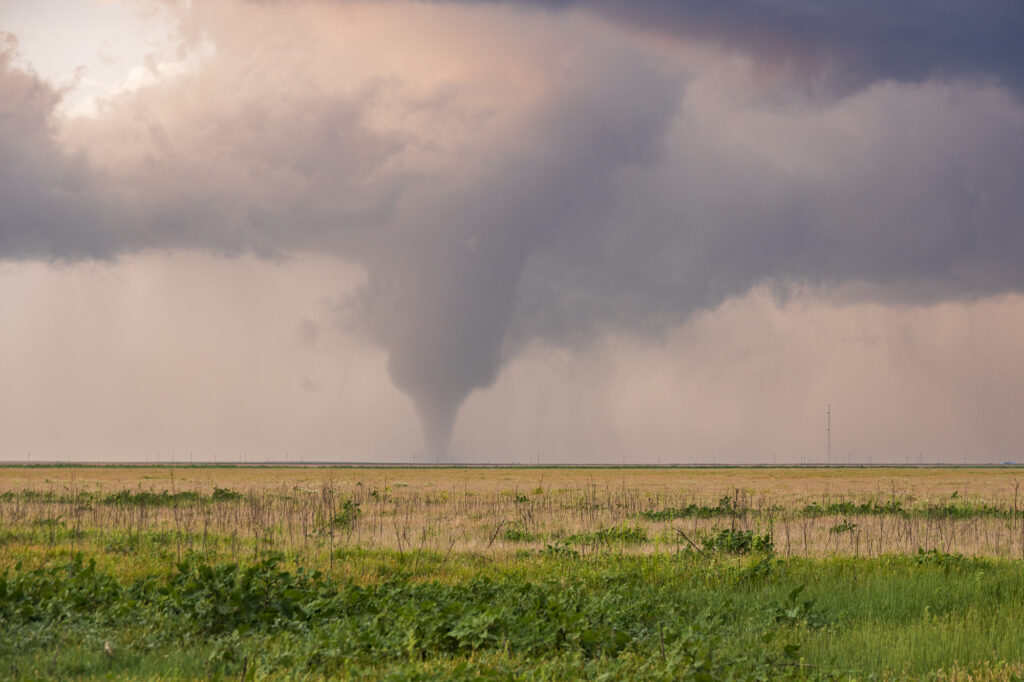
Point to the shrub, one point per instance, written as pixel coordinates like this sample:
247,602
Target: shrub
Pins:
725,508
225,494
737,542
150,499
516,533
616,534
348,516
844,527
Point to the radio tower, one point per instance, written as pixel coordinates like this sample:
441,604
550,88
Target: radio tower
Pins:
828,430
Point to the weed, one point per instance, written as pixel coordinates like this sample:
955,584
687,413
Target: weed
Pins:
348,515
516,533
844,527
726,507
224,495
737,542
614,535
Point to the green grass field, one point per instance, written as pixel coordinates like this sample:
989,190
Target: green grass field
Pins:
232,574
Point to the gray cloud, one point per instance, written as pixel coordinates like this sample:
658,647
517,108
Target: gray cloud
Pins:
259,170
48,202
840,46
556,183
917,204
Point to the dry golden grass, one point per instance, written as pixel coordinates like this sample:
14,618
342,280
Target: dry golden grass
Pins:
797,483
296,510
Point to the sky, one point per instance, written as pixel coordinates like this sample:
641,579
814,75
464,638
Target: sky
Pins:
614,231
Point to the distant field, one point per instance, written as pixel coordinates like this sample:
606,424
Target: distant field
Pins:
499,511
799,482
543,572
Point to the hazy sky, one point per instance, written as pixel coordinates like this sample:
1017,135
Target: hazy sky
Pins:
607,231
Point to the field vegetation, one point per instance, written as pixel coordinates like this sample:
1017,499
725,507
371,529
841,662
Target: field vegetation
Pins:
303,573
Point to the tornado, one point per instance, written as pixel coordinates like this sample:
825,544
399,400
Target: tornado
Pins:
448,276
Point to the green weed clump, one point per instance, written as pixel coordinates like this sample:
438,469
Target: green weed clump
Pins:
516,533
224,495
945,560
625,535
847,508
726,507
149,498
560,550
966,510
895,507
737,542
845,527
348,515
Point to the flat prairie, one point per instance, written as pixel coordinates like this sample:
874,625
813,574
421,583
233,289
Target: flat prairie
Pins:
546,573
782,482
499,511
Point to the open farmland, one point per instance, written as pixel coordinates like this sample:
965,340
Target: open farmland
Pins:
199,572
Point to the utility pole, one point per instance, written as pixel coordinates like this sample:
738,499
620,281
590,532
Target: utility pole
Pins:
828,430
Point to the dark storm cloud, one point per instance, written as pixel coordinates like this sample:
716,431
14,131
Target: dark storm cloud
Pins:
570,183
48,206
840,45
918,204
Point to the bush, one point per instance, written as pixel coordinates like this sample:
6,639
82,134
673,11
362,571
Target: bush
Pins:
726,508
844,527
516,533
348,516
616,534
150,499
225,494
737,542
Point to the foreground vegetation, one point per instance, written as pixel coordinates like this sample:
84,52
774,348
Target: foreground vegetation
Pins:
540,617
387,578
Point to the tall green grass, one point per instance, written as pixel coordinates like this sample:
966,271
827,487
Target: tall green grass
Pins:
539,616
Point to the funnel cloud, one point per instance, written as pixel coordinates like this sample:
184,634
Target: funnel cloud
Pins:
449,279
